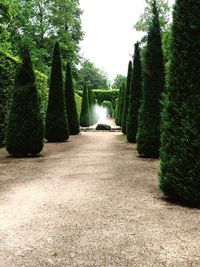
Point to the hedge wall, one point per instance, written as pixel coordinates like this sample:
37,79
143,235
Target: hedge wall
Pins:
8,66
104,95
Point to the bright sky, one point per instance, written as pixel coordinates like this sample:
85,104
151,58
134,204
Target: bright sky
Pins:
109,33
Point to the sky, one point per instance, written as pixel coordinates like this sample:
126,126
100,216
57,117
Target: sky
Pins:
109,33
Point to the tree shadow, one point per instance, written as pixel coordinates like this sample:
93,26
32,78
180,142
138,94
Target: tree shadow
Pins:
175,201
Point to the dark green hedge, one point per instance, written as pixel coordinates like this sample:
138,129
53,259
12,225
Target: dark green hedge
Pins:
104,95
7,75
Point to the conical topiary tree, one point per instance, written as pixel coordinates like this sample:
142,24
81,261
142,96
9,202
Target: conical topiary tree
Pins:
72,114
135,95
126,97
56,119
85,109
121,103
25,131
92,103
180,139
117,107
148,136
116,113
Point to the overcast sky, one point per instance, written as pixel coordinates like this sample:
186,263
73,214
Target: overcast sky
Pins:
109,32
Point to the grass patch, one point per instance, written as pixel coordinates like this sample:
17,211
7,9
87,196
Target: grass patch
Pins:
121,138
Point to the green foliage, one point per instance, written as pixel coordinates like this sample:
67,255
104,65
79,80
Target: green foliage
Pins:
39,23
25,131
108,106
121,104
118,81
72,114
135,97
85,117
6,14
180,140
104,95
56,119
43,91
117,107
116,111
127,97
8,67
146,18
78,100
167,40
7,75
92,103
94,77
148,136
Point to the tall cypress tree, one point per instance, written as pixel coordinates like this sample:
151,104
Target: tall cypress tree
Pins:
56,119
72,113
180,139
135,94
121,104
92,102
25,131
126,97
117,107
148,136
85,109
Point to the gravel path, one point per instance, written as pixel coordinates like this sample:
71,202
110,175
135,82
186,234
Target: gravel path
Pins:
91,202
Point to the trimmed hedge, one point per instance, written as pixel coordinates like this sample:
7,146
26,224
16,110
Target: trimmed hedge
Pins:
8,66
56,127
104,95
25,137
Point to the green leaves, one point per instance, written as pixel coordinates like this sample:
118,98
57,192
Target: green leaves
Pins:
148,135
146,18
180,140
71,109
25,131
39,23
56,119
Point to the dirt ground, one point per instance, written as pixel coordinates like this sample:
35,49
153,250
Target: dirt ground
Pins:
91,202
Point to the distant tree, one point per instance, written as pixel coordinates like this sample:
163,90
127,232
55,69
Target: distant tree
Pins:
121,103
148,136
135,97
180,140
146,18
72,113
7,11
116,111
25,131
117,107
94,77
85,117
56,120
40,23
127,97
118,81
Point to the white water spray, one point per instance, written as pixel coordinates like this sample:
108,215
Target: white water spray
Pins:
101,113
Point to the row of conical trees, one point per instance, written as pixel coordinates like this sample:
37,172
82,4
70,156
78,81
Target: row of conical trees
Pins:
26,128
88,114
164,120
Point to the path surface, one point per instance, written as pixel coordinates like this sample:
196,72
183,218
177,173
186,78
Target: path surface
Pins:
91,202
